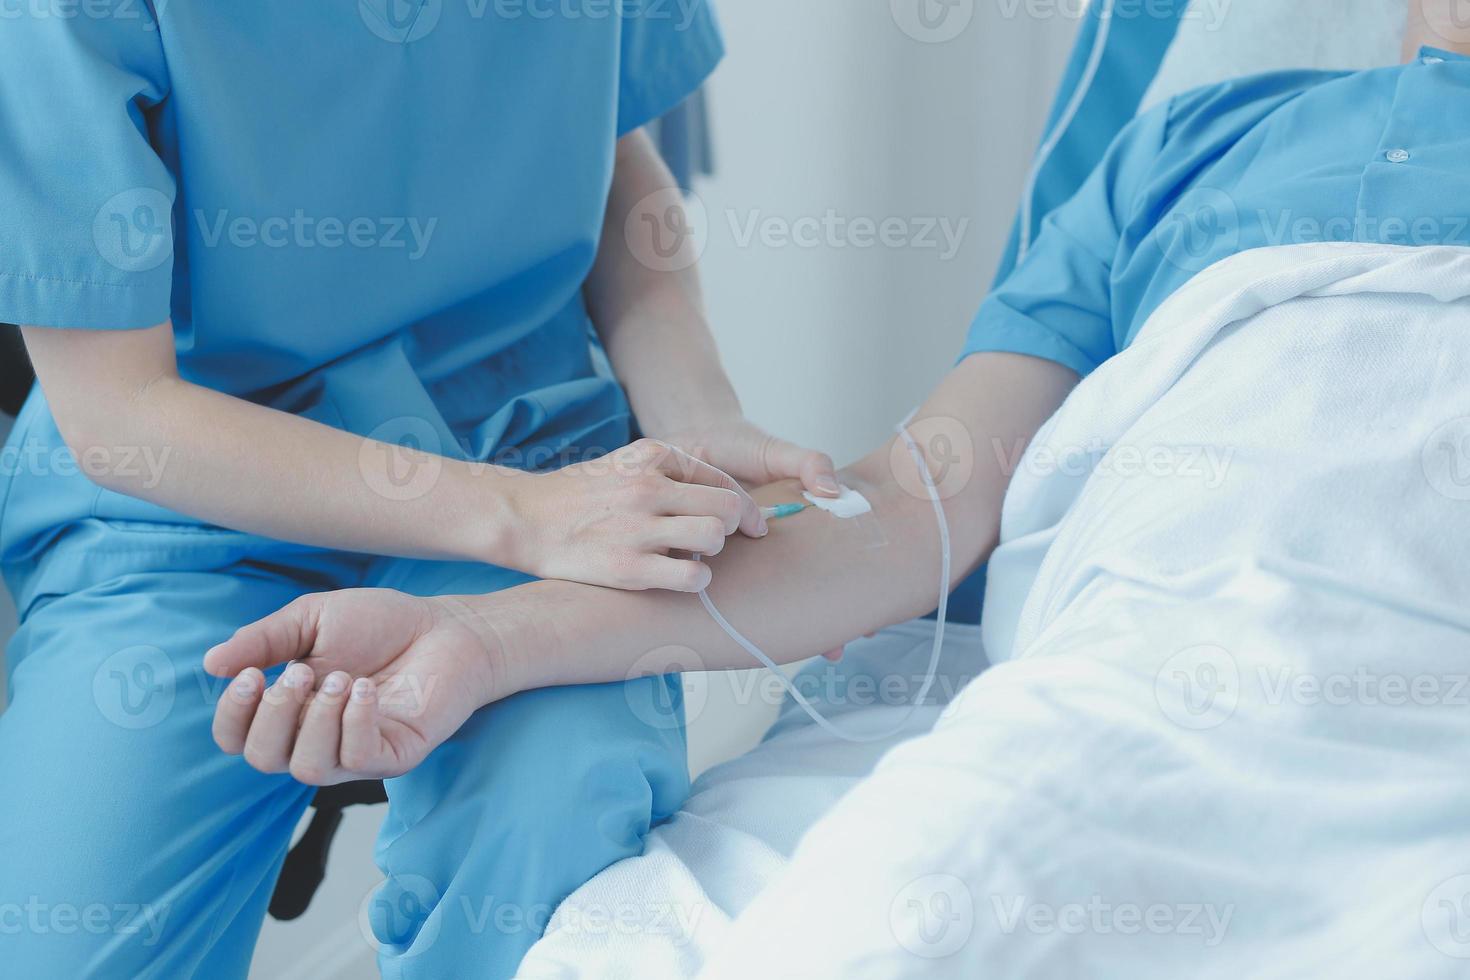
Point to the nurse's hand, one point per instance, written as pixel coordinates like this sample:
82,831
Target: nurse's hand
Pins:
755,457
614,521
381,679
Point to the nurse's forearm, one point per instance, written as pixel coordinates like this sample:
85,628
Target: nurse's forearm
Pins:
117,395
816,581
650,312
230,462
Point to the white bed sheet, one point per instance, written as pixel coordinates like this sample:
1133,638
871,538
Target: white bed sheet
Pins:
1225,734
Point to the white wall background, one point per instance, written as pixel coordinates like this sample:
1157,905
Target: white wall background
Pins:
822,106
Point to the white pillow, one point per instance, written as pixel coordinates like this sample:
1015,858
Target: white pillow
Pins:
1224,39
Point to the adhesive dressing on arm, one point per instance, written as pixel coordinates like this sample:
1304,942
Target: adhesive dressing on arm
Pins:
849,505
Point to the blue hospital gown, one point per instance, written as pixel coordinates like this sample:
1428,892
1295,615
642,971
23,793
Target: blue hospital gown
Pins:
1378,156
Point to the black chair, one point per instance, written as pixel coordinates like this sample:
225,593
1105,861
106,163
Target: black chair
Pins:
306,865
16,375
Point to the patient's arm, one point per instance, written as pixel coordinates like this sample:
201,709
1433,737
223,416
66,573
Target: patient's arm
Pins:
814,583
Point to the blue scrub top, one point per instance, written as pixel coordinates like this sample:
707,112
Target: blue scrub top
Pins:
1378,156
376,214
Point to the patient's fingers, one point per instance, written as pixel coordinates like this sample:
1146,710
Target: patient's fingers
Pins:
285,635
314,760
362,744
236,709
273,732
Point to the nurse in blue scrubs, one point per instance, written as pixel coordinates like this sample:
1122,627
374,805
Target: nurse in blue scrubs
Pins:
318,296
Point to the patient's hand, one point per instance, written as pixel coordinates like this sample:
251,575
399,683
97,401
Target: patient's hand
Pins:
382,679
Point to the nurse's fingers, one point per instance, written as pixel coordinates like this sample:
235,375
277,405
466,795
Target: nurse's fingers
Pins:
314,760
236,709
679,465
284,635
684,500
816,471
362,743
273,732
673,574
696,535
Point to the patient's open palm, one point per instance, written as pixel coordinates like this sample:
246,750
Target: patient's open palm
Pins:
382,679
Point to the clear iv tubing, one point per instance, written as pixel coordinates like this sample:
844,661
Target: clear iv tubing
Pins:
1064,122
944,570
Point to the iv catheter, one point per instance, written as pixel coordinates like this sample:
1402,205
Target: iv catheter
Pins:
944,578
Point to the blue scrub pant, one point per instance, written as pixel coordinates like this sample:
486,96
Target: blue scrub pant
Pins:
130,846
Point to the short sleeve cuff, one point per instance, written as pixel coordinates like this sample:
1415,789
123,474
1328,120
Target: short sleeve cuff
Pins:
1000,330
43,301
668,52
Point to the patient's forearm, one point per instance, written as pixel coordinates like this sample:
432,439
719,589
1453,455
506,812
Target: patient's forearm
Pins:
816,581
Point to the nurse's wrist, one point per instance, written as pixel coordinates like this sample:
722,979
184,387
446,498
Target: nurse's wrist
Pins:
693,414
496,528
699,397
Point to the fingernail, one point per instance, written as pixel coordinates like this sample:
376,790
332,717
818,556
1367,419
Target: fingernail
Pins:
296,675
334,684
763,530
362,689
244,685
828,485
